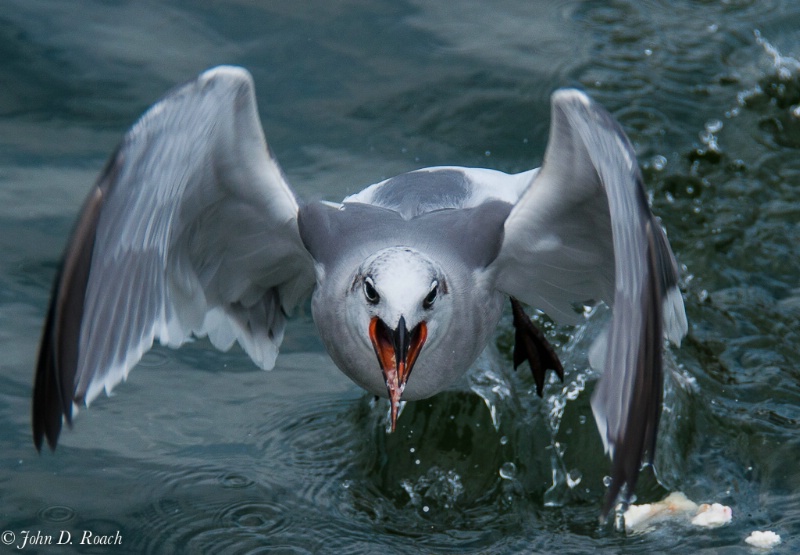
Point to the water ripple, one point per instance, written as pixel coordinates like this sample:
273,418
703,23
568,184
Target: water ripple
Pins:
57,513
235,481
261,517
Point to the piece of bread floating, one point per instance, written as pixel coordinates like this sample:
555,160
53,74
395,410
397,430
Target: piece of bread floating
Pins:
676,506
639,518
763,540
712,515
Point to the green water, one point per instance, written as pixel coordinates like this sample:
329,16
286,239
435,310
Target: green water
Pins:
201,452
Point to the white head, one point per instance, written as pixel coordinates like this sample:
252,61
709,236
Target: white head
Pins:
398,299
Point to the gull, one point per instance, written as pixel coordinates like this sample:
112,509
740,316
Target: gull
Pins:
192,230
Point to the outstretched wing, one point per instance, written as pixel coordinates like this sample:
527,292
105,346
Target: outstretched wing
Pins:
583,231
190,229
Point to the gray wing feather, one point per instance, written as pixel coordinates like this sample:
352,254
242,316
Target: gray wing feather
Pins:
583,231
193,230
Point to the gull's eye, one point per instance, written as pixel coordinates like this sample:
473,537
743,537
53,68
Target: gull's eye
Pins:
430,298
369,291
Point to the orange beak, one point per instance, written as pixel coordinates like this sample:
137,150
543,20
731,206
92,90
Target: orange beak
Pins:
397,352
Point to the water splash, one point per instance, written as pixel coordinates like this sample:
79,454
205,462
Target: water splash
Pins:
436,489
556,494
490,384
785,67
709,135
575,354
786,70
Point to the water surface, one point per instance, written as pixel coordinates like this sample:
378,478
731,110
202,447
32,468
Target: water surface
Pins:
201,452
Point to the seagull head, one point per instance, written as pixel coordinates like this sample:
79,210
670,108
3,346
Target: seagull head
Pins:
400,297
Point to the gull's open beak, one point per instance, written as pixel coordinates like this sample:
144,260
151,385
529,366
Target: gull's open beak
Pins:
397,352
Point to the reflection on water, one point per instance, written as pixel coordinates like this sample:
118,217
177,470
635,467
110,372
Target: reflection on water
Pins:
199,452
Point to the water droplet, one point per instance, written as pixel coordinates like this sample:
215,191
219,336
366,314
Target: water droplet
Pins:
487,153
503,440
648,52
606,481
573,390
659,162
713,126
412,450
425,509
574,477
508,471
416,461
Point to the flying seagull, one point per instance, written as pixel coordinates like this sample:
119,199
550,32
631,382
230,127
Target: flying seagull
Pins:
192,230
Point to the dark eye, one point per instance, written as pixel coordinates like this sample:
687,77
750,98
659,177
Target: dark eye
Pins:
430,298
369,291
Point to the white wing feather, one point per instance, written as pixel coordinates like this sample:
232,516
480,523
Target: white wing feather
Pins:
583,232
196,234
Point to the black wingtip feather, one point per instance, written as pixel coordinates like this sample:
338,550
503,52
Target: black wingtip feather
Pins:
641,430
56,368
47,408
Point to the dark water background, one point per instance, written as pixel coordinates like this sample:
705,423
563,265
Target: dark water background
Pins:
201,452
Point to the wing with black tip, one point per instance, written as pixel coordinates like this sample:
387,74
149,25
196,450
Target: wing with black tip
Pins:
190,230
581,232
